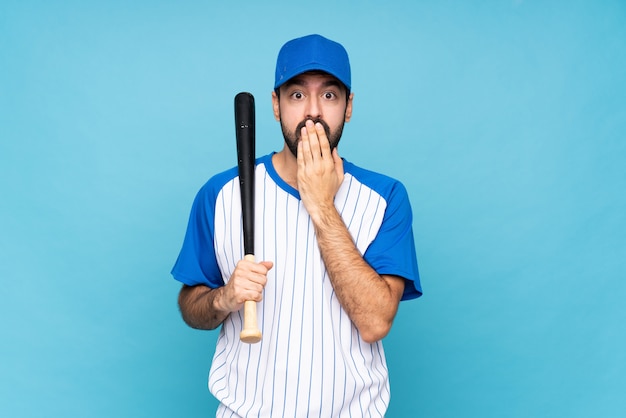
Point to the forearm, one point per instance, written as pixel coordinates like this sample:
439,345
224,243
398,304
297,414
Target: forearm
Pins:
371,301
205,308
199,306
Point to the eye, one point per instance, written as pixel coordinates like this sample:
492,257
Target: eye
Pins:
329,95
297,95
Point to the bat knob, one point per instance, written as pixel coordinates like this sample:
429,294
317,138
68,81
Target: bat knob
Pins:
250,336
250,333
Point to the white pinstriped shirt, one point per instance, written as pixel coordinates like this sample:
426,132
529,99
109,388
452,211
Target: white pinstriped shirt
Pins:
311,361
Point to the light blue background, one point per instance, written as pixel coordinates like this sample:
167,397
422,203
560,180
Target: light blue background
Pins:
506,120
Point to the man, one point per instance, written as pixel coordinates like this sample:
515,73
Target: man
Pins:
338,256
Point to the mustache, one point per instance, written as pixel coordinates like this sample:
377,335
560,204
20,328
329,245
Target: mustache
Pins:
303,124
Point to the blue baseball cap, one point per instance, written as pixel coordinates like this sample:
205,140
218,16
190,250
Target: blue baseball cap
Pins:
309,53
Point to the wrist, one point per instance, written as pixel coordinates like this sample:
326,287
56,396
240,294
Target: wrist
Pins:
323,215
217,301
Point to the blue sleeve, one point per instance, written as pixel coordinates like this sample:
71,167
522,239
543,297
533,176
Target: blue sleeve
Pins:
196,263
393,250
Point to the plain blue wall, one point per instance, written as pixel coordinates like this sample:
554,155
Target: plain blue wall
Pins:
505,119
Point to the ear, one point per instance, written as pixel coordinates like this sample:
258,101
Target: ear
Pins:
276,106
349,108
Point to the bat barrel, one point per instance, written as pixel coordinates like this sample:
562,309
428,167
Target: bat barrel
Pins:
245,130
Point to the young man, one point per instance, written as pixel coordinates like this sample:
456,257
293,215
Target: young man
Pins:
338,256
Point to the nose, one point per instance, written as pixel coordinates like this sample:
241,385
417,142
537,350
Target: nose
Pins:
313,110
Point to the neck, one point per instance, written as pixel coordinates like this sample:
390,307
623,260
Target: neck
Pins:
286,167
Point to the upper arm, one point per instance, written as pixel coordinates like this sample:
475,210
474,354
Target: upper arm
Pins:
186,294
197,260
392,252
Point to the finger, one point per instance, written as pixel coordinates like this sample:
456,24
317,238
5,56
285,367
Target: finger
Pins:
261,267
248,294
246,265
248,287
249,271
304,146
254,288
322,139
314,141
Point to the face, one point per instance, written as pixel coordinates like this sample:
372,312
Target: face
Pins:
316,96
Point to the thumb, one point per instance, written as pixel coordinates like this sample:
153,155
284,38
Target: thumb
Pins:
267,264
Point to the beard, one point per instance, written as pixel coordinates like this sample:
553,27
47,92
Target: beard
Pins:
292,138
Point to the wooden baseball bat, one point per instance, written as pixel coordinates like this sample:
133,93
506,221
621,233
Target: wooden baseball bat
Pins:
245,133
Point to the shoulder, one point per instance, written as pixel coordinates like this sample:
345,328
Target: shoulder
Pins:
386,186
209,192
226,178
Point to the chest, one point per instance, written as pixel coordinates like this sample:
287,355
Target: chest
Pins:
284,233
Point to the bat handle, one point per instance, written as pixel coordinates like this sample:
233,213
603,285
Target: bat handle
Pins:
250,333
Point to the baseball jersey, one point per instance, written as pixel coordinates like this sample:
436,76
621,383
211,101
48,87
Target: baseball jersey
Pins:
311,360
